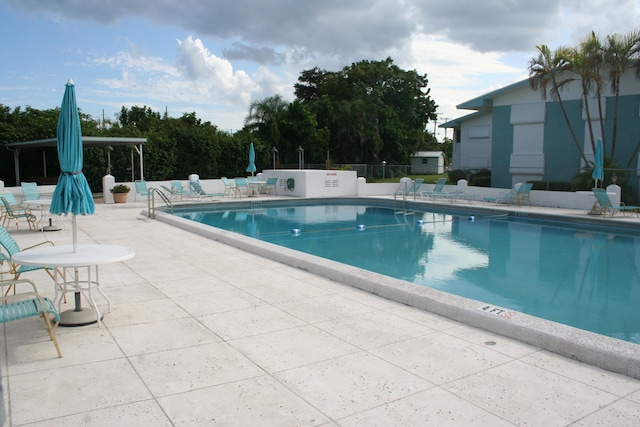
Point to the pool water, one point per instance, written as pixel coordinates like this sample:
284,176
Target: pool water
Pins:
575,274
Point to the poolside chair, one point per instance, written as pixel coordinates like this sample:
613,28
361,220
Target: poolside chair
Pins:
270,186
198,191
28,303
10,247
519,194
12,202
167,191
177,190
9,213
30,191
603,205
229,187
523,194
141,189
438,189
241,187
405,191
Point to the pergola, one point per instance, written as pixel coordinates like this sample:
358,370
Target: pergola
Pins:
87,141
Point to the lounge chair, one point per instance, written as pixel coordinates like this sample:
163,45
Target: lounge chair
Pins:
242,187
13,202
229,187
439,193
404,191
270,186
177,190
10,213
603,205
519,194
437,190
28,303
198,191
141,189
30,191
10,247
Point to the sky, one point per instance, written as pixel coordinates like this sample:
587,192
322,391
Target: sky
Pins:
215,57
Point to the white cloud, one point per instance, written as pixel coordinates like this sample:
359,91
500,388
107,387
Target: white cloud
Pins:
250,49
456,73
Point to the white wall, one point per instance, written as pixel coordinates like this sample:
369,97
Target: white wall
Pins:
314,183
474,149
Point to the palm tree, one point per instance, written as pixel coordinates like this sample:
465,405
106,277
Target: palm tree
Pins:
266,114
620,54
546,73
585,63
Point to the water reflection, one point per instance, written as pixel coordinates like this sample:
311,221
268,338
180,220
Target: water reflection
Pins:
570,275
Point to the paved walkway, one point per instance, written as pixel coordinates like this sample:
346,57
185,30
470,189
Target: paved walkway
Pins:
206,334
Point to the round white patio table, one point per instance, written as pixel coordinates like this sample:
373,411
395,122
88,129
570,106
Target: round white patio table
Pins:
73,264
42,203
255,187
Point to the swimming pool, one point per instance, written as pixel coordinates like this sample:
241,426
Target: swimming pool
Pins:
580,275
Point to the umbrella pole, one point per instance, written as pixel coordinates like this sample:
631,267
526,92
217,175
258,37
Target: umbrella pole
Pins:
75,237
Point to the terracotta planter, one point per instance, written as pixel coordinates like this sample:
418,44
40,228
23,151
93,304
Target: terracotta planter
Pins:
120,197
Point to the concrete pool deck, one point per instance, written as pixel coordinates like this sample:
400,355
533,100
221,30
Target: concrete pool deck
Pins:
202,333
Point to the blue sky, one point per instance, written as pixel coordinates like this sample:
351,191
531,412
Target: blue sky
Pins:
216,57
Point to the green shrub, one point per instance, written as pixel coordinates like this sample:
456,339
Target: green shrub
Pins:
480,181
481,178
456,175
552,185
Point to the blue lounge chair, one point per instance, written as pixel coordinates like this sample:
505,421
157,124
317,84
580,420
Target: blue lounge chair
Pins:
10,213
229,187
198,191
10,247
177,190
404,191
30,191
270,185
437,190
27,303
141,189
242,187
603,205
519,194
439,193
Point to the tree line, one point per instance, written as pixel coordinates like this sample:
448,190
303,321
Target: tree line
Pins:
365,113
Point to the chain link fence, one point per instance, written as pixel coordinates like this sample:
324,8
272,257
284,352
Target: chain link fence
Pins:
363,170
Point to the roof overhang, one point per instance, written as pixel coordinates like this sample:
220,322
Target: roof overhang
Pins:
87,141
457,123
485,101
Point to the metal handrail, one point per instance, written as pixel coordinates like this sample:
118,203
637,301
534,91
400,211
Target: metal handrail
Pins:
151,201
403,191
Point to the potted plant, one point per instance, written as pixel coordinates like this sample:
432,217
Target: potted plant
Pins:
120,192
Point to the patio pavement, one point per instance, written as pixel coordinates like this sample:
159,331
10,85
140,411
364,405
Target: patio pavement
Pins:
206,334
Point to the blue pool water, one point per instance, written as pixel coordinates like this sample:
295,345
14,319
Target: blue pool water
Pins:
579,275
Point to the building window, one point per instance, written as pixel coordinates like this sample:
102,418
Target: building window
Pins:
424,161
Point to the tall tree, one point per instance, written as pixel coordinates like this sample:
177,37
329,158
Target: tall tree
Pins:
585,63
373,109
621,53
265,116
547,73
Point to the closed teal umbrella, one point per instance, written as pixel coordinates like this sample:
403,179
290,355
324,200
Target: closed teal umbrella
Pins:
72,194
252,160
598,167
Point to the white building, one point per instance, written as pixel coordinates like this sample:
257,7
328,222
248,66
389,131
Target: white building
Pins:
427,162
521,137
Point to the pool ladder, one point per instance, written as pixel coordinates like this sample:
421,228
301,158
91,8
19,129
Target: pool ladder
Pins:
151,201
400,205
